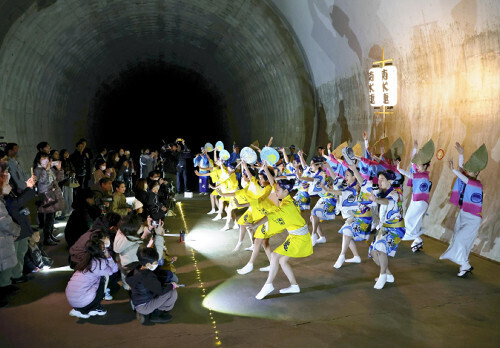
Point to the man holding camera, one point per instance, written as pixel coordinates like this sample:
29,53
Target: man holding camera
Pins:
182,153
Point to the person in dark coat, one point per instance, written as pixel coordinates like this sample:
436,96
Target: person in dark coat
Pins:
36,259
81,219
150,296
103,226
153,207
81,162
182,154
15,205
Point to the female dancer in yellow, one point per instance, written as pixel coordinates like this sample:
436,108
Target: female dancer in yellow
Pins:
228,184
251,189
259,205
297,244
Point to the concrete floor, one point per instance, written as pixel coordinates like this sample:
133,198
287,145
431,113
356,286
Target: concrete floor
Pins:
428,305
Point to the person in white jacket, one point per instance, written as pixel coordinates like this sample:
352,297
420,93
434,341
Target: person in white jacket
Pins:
131,235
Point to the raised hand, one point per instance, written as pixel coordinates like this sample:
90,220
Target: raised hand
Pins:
459,148
31,181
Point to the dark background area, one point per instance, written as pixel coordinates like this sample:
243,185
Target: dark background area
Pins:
154,101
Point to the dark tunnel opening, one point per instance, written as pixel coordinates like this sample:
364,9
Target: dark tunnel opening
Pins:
154,102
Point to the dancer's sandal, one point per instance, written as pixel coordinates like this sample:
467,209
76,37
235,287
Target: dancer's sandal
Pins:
417,247
463,273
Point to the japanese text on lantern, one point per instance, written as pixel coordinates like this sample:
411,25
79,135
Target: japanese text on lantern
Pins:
383,86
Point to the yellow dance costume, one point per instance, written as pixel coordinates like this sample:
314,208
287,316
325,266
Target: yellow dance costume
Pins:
215,176
251,194
287,216
228,183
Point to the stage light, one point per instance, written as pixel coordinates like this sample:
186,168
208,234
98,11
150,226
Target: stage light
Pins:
60,224
57,269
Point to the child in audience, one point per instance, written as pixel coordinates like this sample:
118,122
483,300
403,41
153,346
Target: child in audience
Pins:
149,295
85,289
36,259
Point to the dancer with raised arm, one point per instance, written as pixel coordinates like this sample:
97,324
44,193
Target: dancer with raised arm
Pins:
297,244
421,185
259,205
468,195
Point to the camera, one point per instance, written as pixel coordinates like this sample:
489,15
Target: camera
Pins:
155,223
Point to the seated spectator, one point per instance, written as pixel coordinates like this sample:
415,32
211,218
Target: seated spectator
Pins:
141,190
85,289
153,206
154,175
81,219
150,296
78,253
36,259
103,194
120,205
110,223
138,207
132,234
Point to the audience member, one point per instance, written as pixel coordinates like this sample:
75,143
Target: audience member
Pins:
69,182
50,195
150,296
9,232
36,259
103,194
83,216
181,154
119,204
85,289
81,162
17,175
16,206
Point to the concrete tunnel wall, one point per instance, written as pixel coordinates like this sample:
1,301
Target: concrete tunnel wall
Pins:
295,70
55,55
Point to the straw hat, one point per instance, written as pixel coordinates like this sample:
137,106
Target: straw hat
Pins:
478,160
396,150
338,151
358,150
424,155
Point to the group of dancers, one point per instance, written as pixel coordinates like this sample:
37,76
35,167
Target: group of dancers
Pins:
363,187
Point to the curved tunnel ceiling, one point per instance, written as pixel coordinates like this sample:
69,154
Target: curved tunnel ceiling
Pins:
54,57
